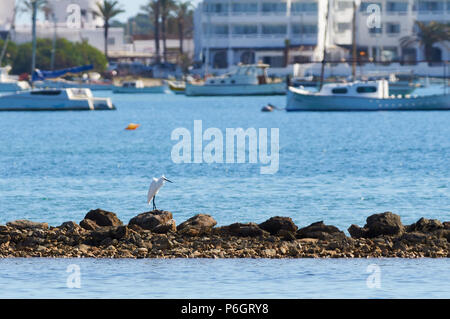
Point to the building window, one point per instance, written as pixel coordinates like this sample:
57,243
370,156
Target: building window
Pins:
279,29
245,29
245,8
395,6
375,30
220,60
306,7
342,27
248,57
307,29
429,6
274,7
111,41
216,8
220,29
393,28
343,5
389,54
364,5
274,61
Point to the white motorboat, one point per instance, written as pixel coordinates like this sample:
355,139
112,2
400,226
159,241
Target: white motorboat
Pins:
9,84
177,87
73,99
245,80
361,96
138,87
63,84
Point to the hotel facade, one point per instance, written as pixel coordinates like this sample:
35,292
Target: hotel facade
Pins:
228,32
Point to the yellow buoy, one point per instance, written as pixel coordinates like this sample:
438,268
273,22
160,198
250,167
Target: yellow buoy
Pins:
132,126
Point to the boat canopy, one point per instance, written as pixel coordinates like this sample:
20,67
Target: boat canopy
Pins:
39,75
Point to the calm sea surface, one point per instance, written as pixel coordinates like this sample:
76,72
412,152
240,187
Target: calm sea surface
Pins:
335,167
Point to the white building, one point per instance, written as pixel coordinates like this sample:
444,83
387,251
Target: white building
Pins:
381,41
74,20
249,31
231,31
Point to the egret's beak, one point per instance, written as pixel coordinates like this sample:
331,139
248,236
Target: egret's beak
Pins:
167,180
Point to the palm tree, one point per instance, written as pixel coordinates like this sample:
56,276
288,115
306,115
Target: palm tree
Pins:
107,11
428,35
153,10
33,6
167,7
182,12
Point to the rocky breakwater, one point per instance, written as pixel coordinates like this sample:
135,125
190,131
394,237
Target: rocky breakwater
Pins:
155,235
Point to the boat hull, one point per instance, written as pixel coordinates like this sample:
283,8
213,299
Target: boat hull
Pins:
28,102
233,90
13,86
68,85
310,102
145,90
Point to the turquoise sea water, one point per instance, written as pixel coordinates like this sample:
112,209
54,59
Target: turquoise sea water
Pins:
336,167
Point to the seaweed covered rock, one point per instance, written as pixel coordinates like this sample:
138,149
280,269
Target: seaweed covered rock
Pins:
23,224
242,230
387,224
320,231
157,221
103,218
275,224
198,225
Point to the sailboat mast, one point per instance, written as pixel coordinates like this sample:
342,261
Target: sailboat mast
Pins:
52,63
33,32
322,71
354,41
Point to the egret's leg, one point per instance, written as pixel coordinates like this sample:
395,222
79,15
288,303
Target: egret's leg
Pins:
154,205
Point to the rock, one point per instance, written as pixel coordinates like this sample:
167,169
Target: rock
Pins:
242,230
320,231
103,218
446,225
169,226
414,237
23,224
89,224
161,243
157,221
118,232
286,235
200,224
83,248
426,225
383,224
275,224
70,225
356,232
108,233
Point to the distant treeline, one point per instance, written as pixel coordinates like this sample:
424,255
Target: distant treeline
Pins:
67,54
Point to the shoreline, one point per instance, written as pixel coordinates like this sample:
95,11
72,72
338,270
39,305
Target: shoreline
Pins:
101,234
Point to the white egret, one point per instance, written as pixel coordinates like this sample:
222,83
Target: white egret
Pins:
156,184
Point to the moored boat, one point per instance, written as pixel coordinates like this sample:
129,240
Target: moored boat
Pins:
245,80
9,84
73,99
177,87
138,87
361,96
